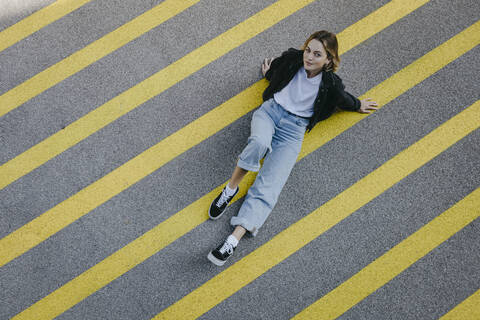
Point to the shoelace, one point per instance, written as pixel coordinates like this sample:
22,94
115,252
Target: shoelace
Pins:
223,199
228,247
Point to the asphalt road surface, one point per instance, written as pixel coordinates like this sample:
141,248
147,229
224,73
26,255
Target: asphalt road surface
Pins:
120,121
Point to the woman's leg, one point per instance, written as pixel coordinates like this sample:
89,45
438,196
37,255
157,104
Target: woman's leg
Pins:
262,128
259,143
237,176
260,200
239,232
263,194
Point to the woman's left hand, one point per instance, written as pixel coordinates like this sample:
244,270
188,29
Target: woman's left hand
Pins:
266,65
367,105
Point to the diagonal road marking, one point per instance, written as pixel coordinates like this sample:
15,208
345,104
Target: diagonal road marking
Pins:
87,199
181,69
399,258
469,309
96,50
37,21
173,228
325,217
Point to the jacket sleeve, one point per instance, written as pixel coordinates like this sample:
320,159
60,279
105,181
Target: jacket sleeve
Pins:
345,100
277,62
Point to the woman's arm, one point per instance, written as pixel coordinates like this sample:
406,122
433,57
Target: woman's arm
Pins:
366,105
270,65
349,102
266,65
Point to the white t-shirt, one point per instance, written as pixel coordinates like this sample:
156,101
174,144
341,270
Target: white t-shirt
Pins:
300,93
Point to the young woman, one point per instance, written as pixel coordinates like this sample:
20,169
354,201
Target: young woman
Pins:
303,90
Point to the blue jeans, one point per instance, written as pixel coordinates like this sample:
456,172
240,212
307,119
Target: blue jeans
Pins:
277,135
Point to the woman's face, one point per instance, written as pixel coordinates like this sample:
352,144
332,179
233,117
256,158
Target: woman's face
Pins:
314,58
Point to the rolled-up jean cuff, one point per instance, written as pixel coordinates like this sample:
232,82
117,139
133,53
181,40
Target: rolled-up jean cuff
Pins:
237,221
242,164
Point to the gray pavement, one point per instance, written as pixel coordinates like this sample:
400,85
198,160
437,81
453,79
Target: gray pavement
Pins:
14,11
428,289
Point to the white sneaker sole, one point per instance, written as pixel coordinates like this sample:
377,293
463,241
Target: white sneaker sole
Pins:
214,260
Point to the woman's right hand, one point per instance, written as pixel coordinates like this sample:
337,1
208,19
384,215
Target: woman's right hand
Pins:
266,65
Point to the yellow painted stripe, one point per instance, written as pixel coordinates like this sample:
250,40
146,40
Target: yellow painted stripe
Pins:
164,79
91,53
322,219
136,169
166,232
395,261
38,20
469,309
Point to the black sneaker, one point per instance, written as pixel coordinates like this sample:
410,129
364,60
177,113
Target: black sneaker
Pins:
218,206
220,255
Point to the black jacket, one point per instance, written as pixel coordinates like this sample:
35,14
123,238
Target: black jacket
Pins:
331,91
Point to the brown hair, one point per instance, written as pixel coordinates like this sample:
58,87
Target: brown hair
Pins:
330,43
